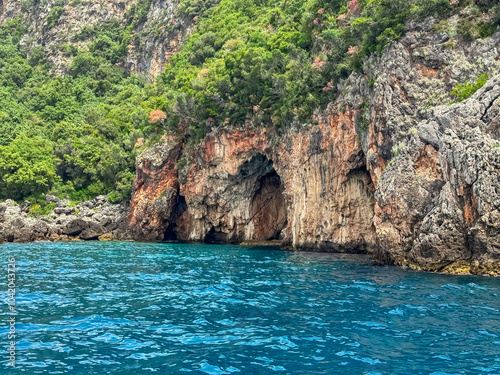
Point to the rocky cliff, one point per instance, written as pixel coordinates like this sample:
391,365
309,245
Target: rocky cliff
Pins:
309,189
156,36
391,168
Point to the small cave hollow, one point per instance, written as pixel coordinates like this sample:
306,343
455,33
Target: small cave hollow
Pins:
1,7
267,205
268,209
215,237
255,199
180,206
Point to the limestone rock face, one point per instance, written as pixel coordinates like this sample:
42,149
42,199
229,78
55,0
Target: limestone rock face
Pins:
162,33
156,189
86,230
455,223
308,188
89,220
390,167
434,165
159,36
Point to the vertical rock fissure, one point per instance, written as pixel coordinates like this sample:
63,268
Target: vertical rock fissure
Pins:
178,209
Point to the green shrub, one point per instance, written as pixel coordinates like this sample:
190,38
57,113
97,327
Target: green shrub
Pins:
69,50
193,8
478,26
53,16
39,210
85,33
442,26
27,167
465,91
486,29
137,13
37,56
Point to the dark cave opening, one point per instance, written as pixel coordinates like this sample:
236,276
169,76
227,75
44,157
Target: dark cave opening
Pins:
180,206
170,234
255,207
267,206
1,7
215,237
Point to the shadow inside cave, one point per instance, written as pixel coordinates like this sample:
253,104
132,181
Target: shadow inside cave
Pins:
267,208
170,234
257,190
249,206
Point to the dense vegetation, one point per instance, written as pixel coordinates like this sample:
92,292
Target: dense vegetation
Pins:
277,61
71,135
267,61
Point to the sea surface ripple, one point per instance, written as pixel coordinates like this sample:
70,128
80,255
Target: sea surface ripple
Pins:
134,308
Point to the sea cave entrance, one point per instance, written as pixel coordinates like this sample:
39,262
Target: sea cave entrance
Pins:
256,203
267,208
180,206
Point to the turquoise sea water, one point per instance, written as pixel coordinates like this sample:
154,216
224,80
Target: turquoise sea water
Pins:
131,308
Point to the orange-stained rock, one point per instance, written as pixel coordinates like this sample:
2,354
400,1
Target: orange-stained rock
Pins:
427,164
309,188
155,190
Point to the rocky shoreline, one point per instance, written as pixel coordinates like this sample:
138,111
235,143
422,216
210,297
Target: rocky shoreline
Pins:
100,220
97,219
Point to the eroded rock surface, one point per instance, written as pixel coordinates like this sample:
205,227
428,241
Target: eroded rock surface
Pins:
438,208
391,167
90,220
156,189
158,37
310,189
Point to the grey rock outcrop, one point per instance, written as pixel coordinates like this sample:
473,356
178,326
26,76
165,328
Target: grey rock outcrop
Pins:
89,220
439,204
158,37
